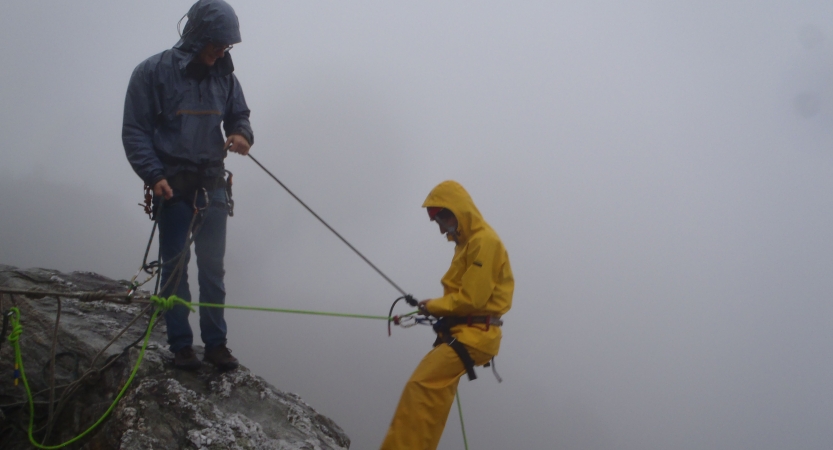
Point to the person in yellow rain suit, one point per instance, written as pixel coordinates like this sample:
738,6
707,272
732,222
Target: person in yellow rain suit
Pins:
477,291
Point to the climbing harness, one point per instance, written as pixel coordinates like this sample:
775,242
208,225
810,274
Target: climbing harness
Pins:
442,326
470,320
443,329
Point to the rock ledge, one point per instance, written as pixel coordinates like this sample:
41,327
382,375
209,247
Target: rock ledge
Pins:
164,408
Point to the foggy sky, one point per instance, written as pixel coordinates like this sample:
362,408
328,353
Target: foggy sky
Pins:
658,171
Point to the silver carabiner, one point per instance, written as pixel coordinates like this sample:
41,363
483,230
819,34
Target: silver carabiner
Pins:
229,200
196,196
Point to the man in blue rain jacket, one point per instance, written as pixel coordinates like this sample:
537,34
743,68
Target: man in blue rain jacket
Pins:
176,103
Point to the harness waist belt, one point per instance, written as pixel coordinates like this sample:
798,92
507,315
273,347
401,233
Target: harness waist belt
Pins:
495,321
192,181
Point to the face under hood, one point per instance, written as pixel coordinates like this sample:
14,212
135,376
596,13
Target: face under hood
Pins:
452,196
209,21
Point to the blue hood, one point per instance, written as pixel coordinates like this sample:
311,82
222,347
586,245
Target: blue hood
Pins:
209,21
173,123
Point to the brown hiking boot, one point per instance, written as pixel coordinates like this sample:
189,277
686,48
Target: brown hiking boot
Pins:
186,359
221,357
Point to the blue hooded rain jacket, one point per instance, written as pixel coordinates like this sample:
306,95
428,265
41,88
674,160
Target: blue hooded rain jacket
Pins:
172,120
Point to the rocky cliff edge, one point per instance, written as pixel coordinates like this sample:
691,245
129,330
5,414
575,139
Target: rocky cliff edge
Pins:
163,408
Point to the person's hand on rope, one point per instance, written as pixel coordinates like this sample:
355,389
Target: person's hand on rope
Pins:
163,189
423,308
238,144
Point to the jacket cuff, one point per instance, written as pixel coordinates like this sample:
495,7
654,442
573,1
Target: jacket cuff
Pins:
437,307
246,134
155,179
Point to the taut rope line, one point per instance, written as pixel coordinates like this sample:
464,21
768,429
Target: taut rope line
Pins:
94,296
328,226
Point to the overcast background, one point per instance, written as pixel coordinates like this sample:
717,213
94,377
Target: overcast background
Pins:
659,171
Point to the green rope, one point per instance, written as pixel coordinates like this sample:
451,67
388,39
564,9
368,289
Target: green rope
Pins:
170,302
462,425
14,338
167,304
162,304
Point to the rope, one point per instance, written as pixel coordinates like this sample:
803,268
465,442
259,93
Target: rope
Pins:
17,329
163,302
462,425
92,372
37,294
328,226
51,416
14,338
92,296
167,304
170,302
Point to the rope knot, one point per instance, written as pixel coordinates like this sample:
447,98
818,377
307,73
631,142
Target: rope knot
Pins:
17,329
167,304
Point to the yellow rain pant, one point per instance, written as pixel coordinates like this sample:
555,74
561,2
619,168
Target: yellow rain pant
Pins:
427,398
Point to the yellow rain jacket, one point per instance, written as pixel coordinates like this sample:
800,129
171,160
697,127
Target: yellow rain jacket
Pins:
479,281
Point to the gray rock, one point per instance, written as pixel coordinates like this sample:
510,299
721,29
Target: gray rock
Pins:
164,408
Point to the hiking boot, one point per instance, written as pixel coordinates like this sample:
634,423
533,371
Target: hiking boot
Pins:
186,359
221,357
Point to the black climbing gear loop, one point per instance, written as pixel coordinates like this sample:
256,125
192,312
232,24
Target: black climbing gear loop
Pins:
229,200
443,329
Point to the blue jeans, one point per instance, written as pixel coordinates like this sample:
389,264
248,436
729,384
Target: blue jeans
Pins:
210,248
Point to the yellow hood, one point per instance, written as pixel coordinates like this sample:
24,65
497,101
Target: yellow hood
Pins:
452,196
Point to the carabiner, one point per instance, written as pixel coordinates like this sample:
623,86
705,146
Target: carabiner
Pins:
229,200
148,204
196,196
